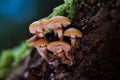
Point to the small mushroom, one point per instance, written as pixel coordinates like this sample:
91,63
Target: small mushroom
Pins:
59,48
37,28
33,39
73,33
56,23
41,46
33,26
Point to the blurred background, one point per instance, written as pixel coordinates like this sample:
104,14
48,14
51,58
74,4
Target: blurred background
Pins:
16,15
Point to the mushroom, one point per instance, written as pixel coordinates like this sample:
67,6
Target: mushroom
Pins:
60,48
56,23
41,46
37,28
33,39
73,33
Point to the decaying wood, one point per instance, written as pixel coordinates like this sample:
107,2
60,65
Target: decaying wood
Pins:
97,56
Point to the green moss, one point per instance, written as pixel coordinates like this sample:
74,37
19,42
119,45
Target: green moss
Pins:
10,58
67,9
60,10
4,71
6,61
6,58
20,52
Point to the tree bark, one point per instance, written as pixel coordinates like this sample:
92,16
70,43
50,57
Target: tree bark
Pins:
97,56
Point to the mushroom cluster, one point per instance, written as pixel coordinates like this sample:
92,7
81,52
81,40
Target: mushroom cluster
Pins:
60,48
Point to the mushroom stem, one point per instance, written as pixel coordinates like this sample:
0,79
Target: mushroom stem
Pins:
40,35
60,52
73,39
69,56
60,33
65,60
39,32
42,51
55,34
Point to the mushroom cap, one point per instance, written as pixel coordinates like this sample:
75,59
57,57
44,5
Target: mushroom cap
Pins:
33,27
41,42
57,45
37,26
58,20
43,24
73,31
33,39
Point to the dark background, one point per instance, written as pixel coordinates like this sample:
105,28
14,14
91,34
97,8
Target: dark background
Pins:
16,15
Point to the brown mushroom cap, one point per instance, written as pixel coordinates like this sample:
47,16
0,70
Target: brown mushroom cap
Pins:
56,45
33,39
73,31
33,27
37,26
63,21
41,42
43,24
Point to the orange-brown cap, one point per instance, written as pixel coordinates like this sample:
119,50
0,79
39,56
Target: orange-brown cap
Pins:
37,26
74,32
33,27
43,24
33,39
63,21
41,42
57,45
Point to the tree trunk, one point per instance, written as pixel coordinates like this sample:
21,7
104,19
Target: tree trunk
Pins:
97,56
